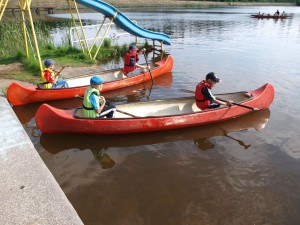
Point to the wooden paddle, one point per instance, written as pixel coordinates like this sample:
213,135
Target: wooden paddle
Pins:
118,110
126,113
233,103
148,66
62,68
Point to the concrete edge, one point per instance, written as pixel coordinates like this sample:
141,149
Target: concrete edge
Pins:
28,191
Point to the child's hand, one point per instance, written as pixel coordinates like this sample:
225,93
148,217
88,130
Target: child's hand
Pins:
102,99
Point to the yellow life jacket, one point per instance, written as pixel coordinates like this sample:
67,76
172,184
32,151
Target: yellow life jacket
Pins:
44,80
88,109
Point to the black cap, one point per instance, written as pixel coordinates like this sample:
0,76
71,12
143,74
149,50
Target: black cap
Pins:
213,77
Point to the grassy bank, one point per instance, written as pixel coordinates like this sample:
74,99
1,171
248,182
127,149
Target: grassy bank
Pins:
12,50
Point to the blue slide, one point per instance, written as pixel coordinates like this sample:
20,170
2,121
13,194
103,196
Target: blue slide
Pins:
123,22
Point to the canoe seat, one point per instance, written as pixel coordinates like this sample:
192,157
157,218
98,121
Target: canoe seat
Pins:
173,110
78,112
40,86
190,107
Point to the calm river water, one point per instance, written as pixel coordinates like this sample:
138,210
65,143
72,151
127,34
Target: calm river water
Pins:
243,171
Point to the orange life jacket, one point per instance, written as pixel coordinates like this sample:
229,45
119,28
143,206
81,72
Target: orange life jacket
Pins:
201,101
129,57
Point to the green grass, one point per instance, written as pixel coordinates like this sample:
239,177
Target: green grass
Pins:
12,49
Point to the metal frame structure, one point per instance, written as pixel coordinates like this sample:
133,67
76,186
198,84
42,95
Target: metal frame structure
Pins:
26,12
86,49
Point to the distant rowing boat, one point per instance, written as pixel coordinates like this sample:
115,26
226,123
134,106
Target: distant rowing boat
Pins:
269,16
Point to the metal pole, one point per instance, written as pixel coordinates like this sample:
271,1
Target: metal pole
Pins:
24,30
34,36
112,19
2,9
82,48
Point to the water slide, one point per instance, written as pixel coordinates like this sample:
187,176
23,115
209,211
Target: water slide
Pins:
123,22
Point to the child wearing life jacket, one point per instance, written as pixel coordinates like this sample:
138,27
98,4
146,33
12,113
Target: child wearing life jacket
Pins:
131,61
95,105
50,77
203,94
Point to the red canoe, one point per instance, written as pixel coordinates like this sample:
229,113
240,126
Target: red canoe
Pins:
113,79
257,120
153,115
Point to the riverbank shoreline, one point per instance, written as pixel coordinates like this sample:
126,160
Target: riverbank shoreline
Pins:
190,4
156,3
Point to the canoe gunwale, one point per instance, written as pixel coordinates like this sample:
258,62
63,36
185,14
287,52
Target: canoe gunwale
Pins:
95,74
167,101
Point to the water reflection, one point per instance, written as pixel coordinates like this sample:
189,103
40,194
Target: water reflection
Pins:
104,159
100,144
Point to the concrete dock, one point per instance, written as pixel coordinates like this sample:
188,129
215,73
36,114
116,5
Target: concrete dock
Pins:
29,194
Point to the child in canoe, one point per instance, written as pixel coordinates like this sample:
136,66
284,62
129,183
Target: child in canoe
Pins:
203,95
131,61
95,105
50,77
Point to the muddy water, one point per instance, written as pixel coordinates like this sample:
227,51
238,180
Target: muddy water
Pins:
242,171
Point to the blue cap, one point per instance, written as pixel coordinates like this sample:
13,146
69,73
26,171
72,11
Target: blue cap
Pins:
96,80
131,47
48,62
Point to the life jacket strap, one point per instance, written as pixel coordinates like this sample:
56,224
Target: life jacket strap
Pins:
201,100
86,108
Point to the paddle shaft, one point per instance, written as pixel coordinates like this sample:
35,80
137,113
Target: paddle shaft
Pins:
234,103
118,110
148,66
57,74
126,113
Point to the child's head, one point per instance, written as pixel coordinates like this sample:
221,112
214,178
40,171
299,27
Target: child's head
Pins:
133,48
212,79
48,63
96,82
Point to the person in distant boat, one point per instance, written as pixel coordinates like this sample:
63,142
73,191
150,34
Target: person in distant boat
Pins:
277,13
203,94
95,105
50,77
131,61
259,13
282,14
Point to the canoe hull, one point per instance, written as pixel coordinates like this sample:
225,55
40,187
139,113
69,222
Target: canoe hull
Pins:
20,95
52,120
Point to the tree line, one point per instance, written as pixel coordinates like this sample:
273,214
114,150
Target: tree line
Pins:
297,2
